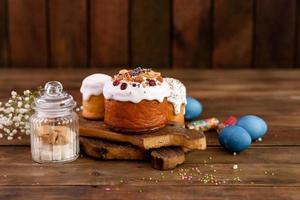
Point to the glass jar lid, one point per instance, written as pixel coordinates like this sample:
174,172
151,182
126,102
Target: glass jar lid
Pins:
53,98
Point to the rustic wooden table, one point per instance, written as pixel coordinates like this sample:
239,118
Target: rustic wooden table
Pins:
268,170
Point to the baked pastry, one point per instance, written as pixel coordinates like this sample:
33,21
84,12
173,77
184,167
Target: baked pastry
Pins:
176,101
92,97
136,101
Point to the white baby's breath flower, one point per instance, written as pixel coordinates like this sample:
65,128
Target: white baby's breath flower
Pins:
27,126
13,93
27,92
10,115
19,138
15,114
23,110
20,104
16,119
9,123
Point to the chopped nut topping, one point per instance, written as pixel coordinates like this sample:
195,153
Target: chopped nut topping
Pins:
139,75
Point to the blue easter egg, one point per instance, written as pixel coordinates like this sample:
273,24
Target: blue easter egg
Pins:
234,138
193,108
254,125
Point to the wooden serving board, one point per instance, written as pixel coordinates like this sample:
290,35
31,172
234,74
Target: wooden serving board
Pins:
107,150
167,158
167,136
162,158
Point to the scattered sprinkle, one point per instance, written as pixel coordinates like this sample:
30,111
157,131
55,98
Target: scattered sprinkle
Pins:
235,166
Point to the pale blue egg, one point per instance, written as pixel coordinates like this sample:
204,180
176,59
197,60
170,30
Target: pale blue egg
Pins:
193,108
234,138
254,125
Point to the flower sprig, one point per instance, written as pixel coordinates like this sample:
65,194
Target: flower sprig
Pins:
15,114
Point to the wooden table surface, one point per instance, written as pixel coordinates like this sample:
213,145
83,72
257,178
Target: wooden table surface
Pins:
268,170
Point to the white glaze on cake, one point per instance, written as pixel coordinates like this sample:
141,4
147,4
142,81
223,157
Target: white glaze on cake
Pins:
137,93
93,85
177,95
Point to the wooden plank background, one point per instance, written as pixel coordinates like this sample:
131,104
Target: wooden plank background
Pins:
158,33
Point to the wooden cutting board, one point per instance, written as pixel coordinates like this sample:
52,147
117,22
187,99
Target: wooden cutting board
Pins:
107,150
167,136
162,158
167,157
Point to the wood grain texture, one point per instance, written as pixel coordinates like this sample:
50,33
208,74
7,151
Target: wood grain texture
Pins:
27,33
107,150
167,136
148,192
86,171
275,33
233,27
150,33
253,155
297,42
3,34
68,33
109,33
192,33
167,158
213,155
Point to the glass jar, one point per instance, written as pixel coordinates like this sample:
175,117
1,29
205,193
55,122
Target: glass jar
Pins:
54,126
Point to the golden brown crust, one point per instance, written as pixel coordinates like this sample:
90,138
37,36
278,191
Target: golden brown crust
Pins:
139,117
172,117
93,108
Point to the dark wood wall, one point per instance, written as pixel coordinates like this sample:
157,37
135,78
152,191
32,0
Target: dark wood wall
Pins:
156,33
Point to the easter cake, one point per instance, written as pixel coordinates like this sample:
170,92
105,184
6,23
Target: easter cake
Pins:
92,97
136,101
176,101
